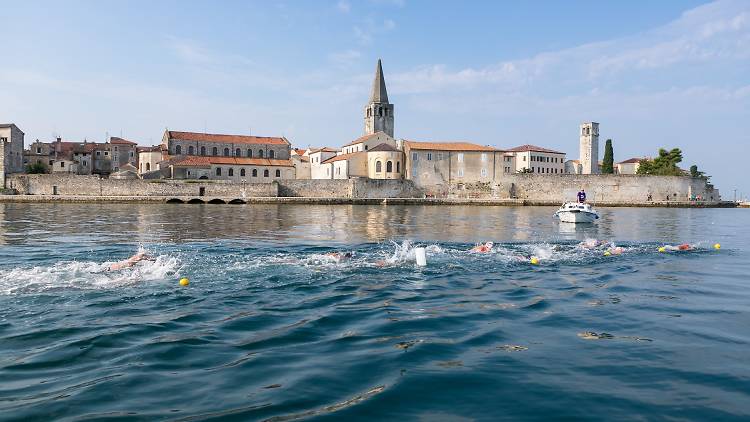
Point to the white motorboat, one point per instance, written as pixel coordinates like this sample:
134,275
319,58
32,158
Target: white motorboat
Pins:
575,212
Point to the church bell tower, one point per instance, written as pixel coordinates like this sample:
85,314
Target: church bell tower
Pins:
379,112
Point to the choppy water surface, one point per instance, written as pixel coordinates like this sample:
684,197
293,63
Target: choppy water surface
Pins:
273,328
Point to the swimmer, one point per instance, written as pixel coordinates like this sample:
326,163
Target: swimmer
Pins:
615,250
682,247
339,257
591,244
140,256
482,248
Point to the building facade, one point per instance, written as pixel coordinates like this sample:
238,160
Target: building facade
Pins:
218,145
238,169
149,158
589,148
11,150
628,166
439,164
534,159
319,169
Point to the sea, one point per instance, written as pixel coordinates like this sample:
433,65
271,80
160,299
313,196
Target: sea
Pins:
307,312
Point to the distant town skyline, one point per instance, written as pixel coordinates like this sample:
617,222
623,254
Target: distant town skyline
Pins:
671,74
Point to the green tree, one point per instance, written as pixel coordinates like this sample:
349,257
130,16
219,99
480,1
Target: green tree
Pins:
36,168
695,173
608,164
663,165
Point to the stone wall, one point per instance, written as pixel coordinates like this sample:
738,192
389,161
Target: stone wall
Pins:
64,184
605,188
316,188
372,188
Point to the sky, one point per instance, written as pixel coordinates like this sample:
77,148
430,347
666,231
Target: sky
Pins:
653,74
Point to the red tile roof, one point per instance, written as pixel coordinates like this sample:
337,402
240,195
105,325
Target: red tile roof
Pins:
193,160
362,139
631,161
343,157
382,147
448,146
155,148
299,151
324,149
235,139
534,148
116,140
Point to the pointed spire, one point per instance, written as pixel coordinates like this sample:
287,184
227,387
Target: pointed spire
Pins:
379,94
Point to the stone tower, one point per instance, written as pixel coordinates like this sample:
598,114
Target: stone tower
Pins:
379,112
589,154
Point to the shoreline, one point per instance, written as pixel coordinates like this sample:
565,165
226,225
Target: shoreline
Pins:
192,200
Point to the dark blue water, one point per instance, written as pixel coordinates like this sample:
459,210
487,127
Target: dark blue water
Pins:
271,328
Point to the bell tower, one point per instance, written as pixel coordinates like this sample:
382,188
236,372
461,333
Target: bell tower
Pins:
589,152
379,112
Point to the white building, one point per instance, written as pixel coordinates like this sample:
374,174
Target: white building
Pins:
629,166
319,170
11,150
534,159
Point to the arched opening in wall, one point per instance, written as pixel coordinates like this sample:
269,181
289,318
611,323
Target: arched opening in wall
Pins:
178,149
195,201
242,172
226,152
203,150
265,173
237,153
231,172
271,154
398,166
260,153
214,151
204,177
278,173
378,167
148,166
191,150
380,112
249,153
237,201
175,201
218,171
217,201
389,167
255,172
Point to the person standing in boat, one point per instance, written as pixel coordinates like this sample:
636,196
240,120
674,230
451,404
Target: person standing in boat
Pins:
581,196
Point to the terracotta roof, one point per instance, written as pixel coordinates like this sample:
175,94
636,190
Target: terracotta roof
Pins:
235,139
449,146
534,148
155,148
193,160
574,161
324,149
362,139
116,140
343,157
383,147
299,151
631,161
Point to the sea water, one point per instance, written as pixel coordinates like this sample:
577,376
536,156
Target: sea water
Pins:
275,326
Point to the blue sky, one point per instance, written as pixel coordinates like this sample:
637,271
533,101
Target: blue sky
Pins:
666,73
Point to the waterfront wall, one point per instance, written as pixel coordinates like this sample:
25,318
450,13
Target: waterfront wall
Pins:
349,188
65,184
604,188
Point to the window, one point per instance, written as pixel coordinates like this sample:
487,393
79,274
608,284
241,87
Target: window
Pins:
203,150
484,157
429,156
365,147
148,166
38,150
106,152
439,156
255,172
484,172
231,171
178,149
242,172
260,153
249,153
378,167
414,156
389,167
460,157
226,152
115,148
398,166
460,172
218,171
278,173
265,173
190,150
237,153
214,151
524,158
51,162
271,154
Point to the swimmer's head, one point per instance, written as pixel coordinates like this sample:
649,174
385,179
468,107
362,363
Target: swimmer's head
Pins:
489,244
348,255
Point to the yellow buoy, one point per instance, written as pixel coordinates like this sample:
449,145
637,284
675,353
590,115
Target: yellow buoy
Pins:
607,253
184,282
717,246
534,260
662,249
